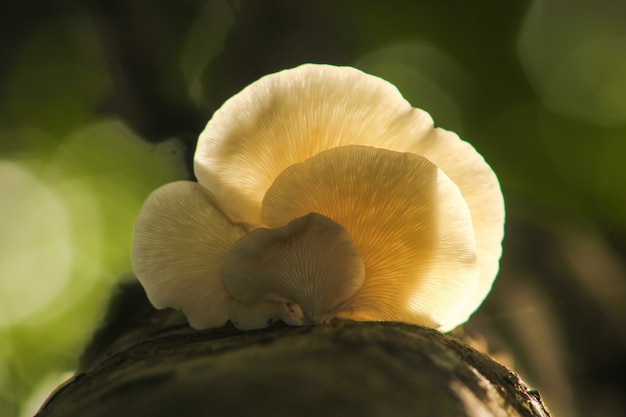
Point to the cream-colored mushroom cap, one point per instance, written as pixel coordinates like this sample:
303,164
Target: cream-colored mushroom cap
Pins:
408,220
180,243
322,193
290,116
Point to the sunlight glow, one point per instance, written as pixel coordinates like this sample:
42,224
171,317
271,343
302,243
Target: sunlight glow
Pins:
35,243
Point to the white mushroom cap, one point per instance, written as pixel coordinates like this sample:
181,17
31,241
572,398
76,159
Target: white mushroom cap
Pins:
308,266
287,117
481,190
414,236
290,116
409,222
180,243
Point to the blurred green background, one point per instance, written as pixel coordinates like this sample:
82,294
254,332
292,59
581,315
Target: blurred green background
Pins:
102,101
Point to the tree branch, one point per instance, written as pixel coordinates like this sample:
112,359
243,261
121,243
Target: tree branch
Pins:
161,367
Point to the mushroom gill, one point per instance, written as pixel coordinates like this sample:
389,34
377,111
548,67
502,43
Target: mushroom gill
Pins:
308,267
408,220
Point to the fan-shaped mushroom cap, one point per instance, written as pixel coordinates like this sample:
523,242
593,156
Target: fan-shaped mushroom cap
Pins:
180,243
287,117
290,116
409,222
308,266
481,190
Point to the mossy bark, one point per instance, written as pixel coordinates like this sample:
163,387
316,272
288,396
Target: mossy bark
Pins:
158,366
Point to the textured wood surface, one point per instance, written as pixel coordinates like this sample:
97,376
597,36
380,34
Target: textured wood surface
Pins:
155,365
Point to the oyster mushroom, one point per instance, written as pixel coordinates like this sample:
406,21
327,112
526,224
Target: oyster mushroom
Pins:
322,193
309,266
180,242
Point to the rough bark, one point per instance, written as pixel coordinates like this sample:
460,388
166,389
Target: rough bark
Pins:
152,364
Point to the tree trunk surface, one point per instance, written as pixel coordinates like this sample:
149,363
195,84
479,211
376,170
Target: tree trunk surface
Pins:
153,364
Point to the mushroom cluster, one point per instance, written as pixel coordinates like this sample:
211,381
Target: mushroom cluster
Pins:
323,194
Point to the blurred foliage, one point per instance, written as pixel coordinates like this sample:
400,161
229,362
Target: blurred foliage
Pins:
102,101
68,217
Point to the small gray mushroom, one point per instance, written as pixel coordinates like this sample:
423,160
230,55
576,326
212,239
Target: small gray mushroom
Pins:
309,266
